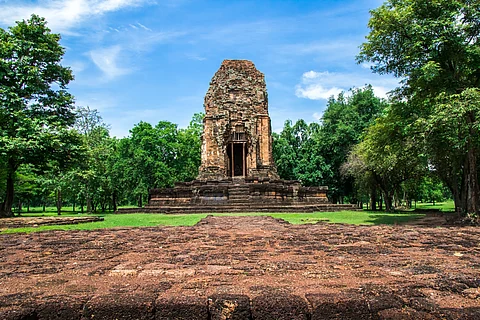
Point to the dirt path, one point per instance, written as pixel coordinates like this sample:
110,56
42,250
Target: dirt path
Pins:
243,268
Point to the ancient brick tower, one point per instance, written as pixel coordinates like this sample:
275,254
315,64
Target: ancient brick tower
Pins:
237,173
237,140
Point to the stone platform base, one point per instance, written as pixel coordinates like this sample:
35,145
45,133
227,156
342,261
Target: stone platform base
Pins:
246,208
239,195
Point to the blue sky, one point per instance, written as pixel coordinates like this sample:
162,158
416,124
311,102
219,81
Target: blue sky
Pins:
152,60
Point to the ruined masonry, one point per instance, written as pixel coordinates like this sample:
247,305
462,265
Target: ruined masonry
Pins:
237,139
237,173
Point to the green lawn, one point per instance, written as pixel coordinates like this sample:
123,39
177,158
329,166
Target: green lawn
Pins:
443,206
150,220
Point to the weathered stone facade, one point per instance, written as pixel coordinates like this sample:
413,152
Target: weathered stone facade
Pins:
237,139
237,173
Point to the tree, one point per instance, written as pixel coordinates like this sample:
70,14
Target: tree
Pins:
189,153
434,47
285,151
36,110
386,157
94,173
296,152
343,125
452,139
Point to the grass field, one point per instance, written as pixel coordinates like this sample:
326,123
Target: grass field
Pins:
443,206
149,220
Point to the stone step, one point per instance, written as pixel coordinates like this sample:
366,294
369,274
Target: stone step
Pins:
240,207
238,196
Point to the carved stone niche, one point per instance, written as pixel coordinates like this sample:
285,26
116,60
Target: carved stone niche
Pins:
237,140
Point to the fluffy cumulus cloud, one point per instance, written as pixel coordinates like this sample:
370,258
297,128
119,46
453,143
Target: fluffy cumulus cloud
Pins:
323,85
62,15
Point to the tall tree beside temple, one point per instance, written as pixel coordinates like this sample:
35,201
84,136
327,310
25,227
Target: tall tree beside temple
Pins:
36,111
435,47
343,126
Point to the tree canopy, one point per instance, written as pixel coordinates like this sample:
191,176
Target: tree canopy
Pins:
434,47
36,111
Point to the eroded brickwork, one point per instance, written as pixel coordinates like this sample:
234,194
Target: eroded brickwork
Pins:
237,138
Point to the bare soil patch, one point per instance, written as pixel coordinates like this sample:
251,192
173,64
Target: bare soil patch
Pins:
243,268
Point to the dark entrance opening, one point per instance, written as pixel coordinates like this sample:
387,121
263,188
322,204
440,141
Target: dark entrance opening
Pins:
237,159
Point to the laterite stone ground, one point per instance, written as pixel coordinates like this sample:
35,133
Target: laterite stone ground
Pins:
243,268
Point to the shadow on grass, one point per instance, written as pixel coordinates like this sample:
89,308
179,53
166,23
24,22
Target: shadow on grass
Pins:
393,218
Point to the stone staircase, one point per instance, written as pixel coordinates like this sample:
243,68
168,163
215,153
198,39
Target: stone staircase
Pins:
238,195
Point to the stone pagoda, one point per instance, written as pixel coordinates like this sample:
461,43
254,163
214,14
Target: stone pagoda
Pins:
237,172
237,135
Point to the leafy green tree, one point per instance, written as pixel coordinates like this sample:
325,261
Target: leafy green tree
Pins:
297,153
26,186
386,157
93,173
148,157
285,151
434,47
189,153
36,110
343,125
452,139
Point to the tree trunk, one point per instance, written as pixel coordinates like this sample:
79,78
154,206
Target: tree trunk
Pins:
373,199
89,204
73,205
471,183
388,202
380,202
114,201
44,206
59,202
6,207
140,201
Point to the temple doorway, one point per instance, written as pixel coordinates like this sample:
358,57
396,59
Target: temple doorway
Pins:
237,159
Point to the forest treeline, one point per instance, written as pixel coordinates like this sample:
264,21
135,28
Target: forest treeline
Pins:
421,144
103,172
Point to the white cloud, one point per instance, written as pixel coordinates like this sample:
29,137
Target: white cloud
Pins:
144,27
63,15
322,85
316,92
106,59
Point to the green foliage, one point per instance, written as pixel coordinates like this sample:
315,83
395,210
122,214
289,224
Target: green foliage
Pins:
387,156
296,152
36,110
433,44
156,157
434,47
343,126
